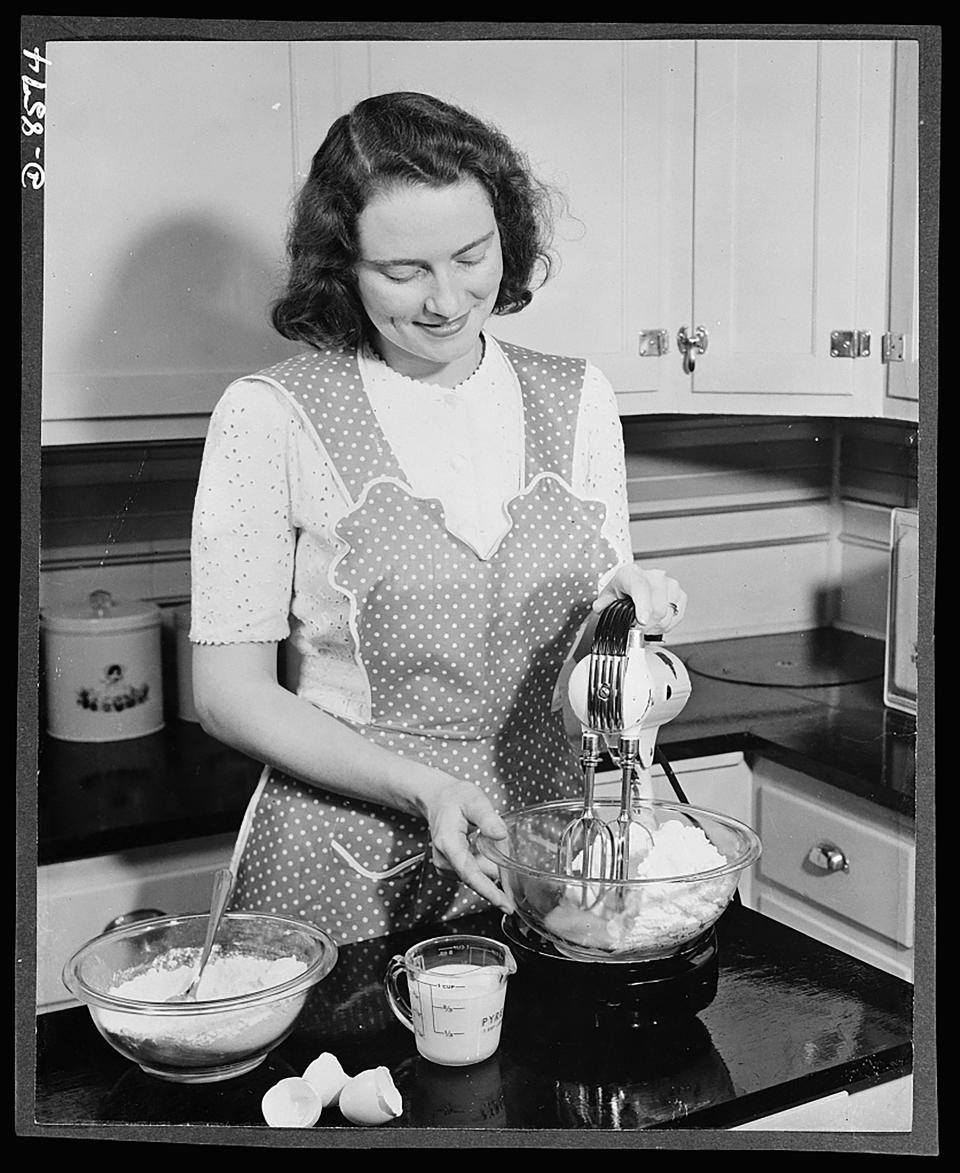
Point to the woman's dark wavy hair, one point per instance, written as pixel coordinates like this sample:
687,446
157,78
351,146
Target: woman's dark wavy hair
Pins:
401,138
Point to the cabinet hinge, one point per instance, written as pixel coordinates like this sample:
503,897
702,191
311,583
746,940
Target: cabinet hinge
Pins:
849,343
653,343
891,348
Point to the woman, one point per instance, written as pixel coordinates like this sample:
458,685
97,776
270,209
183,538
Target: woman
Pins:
427,516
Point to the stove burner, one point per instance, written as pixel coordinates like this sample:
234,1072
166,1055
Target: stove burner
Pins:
623,994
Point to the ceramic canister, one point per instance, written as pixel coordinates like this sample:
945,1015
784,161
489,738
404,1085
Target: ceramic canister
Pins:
103,669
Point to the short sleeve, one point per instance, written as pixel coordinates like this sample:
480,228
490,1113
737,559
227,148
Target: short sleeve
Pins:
599,465
243,538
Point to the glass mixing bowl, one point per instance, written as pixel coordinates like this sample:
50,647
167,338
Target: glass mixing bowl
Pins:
617,920
202,1041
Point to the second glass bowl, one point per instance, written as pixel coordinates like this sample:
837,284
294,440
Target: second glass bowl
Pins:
203,1041
617,920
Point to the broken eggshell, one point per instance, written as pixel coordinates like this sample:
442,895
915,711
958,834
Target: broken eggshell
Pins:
326,1077
371,1097
291,1103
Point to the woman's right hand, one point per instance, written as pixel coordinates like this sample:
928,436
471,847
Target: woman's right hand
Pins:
454,810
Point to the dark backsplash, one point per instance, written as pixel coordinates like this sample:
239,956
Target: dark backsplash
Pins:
878,462
117,494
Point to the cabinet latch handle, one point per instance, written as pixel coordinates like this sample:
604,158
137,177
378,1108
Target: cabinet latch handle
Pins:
828,857
849,343
690,343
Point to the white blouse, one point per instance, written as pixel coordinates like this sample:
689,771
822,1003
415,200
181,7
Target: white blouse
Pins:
268,500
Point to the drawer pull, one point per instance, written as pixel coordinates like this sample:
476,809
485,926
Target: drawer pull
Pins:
129,918
828,858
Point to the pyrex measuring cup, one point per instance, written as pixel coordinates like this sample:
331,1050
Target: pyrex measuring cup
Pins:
457,986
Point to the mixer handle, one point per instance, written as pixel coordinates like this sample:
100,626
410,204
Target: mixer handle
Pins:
613,628
616,621
607,662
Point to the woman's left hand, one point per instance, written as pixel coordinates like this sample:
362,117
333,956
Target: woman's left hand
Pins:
660,602
456,811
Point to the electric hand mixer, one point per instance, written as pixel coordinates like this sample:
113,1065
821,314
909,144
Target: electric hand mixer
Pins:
622,692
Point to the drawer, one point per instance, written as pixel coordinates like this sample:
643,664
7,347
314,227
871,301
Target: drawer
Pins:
78,898
870,877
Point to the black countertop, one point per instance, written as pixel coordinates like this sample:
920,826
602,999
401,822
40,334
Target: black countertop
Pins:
810,700
791,1021
814,702
97,798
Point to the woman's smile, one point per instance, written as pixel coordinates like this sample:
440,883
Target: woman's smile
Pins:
429,276
447,328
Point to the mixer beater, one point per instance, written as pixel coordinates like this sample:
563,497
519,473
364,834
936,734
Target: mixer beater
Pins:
587,846
623,692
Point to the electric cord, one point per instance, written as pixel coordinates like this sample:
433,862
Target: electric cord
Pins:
661,759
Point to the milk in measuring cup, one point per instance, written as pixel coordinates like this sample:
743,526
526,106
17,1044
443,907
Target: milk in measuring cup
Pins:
458,1012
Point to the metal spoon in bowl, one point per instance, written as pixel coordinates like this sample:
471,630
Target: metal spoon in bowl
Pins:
222,886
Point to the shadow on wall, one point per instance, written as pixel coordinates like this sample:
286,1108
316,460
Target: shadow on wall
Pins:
193,294
826,604
863,600
858,602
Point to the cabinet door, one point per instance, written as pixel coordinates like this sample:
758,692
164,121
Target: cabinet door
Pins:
790,224
169,170
903,374
609,125
658,217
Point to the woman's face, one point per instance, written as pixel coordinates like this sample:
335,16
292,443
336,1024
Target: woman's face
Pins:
429,275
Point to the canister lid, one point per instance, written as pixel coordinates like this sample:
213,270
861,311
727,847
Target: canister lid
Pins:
100,613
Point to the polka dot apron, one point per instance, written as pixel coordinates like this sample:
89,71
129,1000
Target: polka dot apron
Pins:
461,654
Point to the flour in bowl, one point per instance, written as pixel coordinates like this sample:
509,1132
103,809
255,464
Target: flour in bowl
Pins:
678,850
653,917
226,976
192,1037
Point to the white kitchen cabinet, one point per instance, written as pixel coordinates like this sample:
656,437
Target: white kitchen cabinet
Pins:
790,224
836,867
168,175
78,899
741,186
